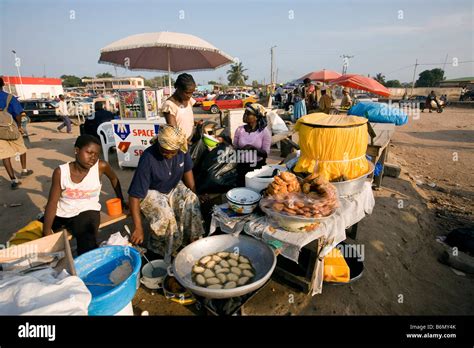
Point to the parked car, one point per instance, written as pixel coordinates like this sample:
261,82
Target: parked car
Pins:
469,95
413,101
365,97
40,109
199,98
227,101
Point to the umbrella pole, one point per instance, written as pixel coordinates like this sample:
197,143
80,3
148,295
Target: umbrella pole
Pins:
169,72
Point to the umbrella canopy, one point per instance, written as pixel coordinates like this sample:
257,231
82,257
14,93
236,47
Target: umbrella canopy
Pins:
322,75
361,82
164,51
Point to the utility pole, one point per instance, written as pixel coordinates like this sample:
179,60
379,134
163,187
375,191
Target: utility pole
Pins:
444,65
345,58
271,65
17,64
413,81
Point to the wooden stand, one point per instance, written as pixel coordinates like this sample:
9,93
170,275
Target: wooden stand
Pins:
381,134
302,275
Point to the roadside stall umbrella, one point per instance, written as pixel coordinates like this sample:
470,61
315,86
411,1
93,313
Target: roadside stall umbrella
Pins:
361,82
321,75
164,51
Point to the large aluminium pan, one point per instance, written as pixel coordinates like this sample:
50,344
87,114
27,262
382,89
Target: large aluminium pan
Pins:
260,254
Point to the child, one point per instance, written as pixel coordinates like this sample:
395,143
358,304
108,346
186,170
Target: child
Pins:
74,195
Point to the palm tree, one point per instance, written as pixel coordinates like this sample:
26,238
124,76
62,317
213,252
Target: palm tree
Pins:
236,76
380,78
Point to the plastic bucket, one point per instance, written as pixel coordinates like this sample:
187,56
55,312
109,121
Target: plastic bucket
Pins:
95,267
114,206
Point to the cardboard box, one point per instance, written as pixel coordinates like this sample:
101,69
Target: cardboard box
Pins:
52,243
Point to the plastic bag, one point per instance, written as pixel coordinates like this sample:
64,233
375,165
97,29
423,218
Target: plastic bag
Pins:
32,231
214,175
379,113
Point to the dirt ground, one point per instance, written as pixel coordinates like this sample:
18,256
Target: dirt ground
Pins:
402,275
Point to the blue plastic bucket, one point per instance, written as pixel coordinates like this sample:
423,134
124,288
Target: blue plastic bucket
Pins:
95,266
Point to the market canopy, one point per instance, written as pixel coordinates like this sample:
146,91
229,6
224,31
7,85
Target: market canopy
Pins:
321,75
164,51
363,83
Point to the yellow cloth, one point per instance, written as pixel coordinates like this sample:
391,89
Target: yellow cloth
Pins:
32,231
256,107
172,138
336,268
9,148
337,150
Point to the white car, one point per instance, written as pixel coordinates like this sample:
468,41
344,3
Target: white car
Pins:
365,98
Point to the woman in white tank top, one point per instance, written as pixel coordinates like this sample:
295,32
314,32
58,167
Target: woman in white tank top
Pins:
74,195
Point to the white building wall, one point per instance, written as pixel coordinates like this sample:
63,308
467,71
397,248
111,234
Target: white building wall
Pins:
38,91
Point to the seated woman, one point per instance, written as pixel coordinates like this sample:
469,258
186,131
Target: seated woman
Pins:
163,190
178,109
73,200
255,138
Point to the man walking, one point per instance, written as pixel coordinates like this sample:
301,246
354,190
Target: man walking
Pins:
63,112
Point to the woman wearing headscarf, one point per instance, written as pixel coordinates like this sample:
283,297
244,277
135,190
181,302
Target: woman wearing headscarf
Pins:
178,109
299,106
255,139
163,190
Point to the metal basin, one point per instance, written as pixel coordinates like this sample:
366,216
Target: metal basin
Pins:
351,187
261,256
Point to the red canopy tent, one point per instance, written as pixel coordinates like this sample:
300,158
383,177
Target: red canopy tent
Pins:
361,82
322,75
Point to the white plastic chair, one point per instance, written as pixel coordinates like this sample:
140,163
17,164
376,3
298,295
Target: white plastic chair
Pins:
106,135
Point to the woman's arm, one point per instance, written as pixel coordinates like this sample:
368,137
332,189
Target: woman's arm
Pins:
137,235
235,143
106,169
266,143
188,179
52,205
170,119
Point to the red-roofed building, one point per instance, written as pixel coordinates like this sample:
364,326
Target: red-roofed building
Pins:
33,87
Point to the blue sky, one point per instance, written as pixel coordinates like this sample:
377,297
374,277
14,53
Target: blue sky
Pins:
381,38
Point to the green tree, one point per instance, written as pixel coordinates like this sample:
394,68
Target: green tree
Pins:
430,78
158,81
235,75
104,75
212,82
255,84
71,81
393,83
380,78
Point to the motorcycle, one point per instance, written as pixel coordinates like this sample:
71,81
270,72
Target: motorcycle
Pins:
435,106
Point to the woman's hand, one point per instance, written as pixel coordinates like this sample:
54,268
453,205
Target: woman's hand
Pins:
204,198
124,204
137,236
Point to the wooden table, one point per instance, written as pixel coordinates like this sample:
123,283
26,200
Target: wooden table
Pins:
379,145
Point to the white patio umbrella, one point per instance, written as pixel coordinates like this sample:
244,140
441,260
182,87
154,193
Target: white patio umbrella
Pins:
164,51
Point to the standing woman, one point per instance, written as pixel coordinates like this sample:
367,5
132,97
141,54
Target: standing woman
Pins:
74,195
178,109
253,136
299,107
